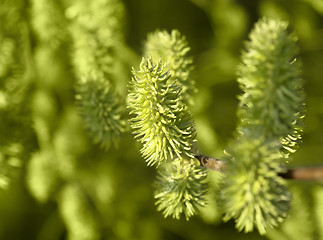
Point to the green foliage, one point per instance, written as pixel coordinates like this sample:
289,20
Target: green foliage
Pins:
173,49
161,120
270,110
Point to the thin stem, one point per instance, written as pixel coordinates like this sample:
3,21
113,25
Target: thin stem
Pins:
300,173
304,173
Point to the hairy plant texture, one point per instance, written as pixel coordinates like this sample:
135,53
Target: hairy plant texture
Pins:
273,95
253,193
181,187
100,107
174,50
270,111
96,29
160,119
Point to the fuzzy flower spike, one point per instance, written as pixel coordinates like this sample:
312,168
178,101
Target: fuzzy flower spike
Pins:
270,110
160,119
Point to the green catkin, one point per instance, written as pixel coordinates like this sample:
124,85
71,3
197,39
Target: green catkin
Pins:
270,111
269,76
174,50
180,188
253,194
163,125
99,106
96,30
48,22
160,120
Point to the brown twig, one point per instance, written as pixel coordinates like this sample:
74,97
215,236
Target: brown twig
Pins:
211,163
300,173
304,173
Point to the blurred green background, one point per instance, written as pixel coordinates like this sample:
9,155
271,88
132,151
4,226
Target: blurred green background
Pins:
109,194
